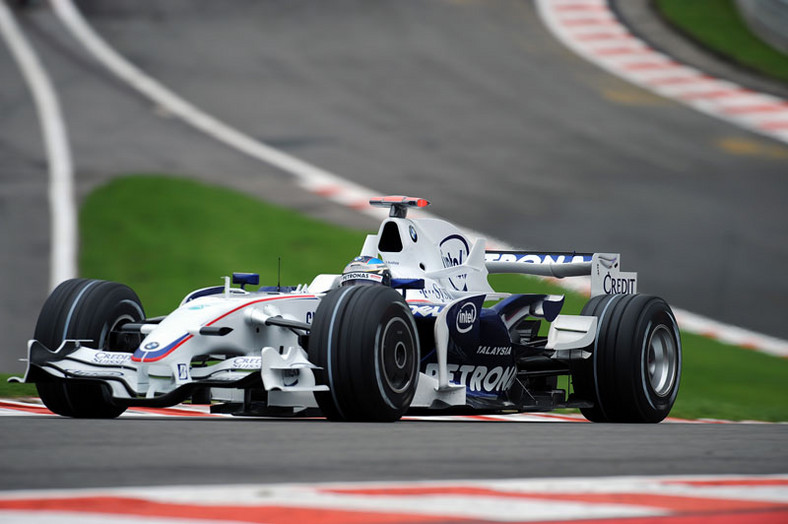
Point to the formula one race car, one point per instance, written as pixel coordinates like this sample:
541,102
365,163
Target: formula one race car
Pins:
406,328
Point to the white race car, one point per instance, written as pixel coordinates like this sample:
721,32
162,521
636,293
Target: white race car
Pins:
404,328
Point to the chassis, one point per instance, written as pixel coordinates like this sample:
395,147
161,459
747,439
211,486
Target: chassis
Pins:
428,343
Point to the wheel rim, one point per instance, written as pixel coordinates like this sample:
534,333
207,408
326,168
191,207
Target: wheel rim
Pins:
112,339
661,360
398,358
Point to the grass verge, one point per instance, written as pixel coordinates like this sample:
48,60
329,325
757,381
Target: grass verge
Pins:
15,390
717,25
165,237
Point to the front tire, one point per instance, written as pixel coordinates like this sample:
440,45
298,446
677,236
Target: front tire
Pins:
91,310
635,370
365,340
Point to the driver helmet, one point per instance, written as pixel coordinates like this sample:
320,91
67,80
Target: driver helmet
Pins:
364,271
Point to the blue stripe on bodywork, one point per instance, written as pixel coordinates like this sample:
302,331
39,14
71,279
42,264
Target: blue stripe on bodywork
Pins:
141,355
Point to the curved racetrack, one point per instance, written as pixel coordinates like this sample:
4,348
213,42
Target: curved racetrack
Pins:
475,106
469,103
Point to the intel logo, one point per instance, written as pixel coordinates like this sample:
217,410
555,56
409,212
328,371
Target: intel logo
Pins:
466,317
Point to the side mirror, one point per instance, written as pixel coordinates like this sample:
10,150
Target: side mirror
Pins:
246,278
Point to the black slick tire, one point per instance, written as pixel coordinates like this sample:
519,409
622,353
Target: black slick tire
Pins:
93,311
634,372
364,339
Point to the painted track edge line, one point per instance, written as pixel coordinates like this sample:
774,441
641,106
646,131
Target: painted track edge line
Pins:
63,214
310,177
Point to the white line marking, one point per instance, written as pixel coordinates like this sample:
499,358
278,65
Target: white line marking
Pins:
563,20
63,215
506,500
311,178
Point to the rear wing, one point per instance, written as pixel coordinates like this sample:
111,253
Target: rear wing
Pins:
603,268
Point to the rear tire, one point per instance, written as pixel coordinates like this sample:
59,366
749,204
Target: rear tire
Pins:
635,370
90,310
365,340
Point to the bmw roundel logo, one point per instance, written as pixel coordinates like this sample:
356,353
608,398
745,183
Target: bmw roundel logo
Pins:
413,235
151,345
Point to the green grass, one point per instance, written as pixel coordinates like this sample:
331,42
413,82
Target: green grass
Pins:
717,25
166,236
727,382
15,390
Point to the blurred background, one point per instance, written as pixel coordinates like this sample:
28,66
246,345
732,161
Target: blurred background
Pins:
472,104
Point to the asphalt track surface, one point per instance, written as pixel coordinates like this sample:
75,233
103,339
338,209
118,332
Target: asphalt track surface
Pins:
471,104
51,452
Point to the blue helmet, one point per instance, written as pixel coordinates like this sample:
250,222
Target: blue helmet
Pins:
364,271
